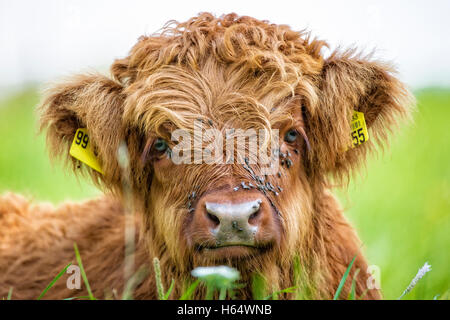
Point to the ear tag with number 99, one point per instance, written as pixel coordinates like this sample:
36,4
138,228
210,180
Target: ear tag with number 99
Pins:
359,129
81,149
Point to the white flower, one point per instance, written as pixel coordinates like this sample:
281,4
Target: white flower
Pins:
216,273
422,271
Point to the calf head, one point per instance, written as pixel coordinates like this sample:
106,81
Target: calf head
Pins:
188,102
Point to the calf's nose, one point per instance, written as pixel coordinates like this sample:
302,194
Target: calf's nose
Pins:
233,221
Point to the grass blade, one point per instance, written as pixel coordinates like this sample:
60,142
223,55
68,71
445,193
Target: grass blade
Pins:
420,274
83,274
352,294
258,287
188,293
167,295
344,277
135,280
53,281
209,292
159,284
9,293
363,294
223,293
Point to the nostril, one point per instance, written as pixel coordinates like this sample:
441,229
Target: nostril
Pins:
213,218
253,216
256,210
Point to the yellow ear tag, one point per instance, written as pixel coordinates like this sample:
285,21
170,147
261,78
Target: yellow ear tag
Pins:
359,129
82,150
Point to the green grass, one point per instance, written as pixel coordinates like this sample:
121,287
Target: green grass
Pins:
54,281
400,208
344,278
24,163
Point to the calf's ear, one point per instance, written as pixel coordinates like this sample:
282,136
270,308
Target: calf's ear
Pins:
94,102
350,83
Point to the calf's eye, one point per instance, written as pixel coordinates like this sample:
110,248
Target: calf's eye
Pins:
160,145
291,136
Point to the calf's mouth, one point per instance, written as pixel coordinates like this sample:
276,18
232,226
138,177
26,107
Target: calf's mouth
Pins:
232,251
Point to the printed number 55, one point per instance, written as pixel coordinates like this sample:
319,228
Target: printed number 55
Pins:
362,137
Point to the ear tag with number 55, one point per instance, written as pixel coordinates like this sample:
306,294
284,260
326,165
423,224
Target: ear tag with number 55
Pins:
359,129
82,150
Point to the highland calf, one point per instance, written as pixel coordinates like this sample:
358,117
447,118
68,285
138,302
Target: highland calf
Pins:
224,77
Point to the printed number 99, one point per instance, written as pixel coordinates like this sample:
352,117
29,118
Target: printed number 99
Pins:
82,139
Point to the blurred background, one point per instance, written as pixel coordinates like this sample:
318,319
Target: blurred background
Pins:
400,204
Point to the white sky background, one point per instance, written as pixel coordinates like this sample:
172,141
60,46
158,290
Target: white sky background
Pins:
48,39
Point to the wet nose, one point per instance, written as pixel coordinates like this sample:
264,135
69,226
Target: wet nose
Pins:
233,222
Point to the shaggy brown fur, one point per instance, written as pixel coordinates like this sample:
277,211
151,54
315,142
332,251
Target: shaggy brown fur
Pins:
238,72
